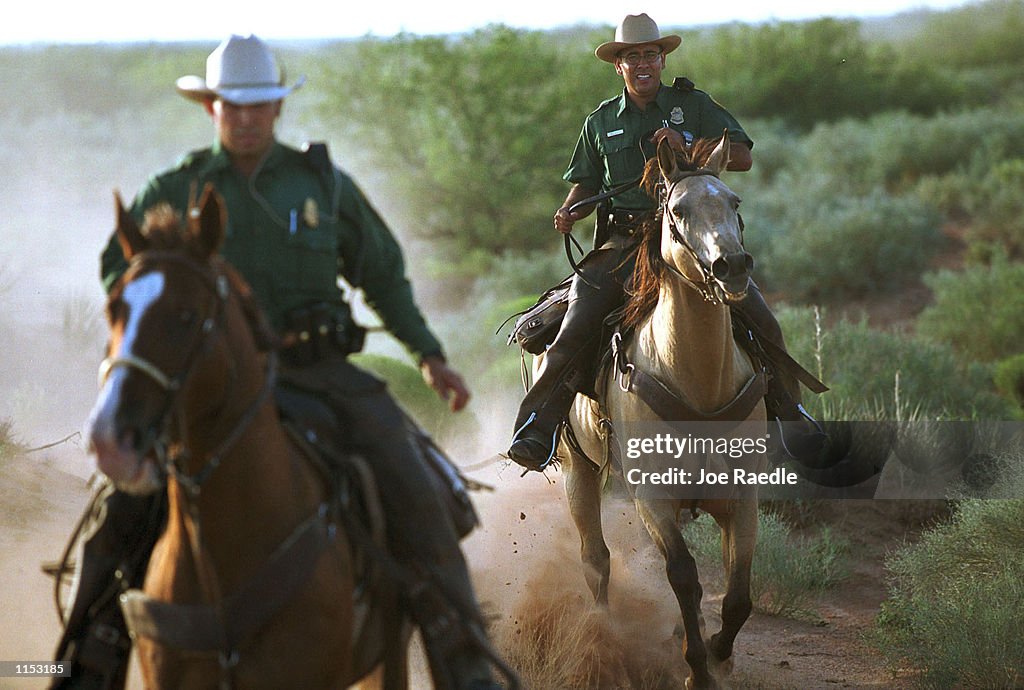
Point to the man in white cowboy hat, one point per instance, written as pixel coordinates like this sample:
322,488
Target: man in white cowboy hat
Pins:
293,218
610,153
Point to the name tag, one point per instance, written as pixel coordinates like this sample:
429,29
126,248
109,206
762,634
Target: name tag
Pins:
615,133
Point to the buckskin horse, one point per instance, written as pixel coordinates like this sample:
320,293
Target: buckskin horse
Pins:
254,582
681,364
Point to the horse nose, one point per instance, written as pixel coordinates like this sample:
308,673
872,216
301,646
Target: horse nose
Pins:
732,265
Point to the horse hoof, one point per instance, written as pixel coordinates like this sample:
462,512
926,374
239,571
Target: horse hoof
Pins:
722,668
710,685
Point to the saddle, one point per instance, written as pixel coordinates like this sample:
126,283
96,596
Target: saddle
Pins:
312,421
537,327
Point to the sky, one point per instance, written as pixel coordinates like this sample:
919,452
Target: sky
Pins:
74,21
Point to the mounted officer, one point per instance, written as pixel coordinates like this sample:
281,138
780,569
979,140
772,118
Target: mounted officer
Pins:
611,153
295,224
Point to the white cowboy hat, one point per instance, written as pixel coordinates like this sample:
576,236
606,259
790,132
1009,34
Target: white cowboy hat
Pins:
240,70
636,29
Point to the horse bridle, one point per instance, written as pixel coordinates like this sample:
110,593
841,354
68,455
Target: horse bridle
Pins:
708,287
158,439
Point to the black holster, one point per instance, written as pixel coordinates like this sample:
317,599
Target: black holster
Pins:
322,330
602,226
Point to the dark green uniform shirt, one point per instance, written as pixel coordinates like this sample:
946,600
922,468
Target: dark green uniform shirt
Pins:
292,230
609,153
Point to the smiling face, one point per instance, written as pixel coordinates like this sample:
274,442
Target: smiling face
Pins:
640,67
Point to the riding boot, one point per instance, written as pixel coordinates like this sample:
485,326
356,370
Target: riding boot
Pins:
421,535
801,434
114,552
569,361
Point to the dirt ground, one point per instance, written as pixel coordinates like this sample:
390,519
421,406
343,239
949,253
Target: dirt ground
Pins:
524,561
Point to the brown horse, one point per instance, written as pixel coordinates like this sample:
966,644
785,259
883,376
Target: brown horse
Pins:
681,363
254,582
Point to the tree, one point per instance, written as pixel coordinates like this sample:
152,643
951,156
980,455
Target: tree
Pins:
473,132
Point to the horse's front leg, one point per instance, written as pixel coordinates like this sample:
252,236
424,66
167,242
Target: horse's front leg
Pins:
739,536
659,517
583,490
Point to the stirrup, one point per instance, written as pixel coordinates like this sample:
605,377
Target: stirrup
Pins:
551,453
818,433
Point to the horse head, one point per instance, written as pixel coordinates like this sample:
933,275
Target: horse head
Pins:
701,234
175,317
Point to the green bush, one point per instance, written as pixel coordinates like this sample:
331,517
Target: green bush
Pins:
956,596
998,208
1009,378
419,400
788,571
853,247
809,72
861,366
978,34
978,311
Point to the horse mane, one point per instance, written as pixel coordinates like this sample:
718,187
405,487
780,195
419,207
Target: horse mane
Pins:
642,288
164,230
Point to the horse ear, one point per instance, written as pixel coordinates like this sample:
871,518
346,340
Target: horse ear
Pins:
719,158
207,220
667,159
129,236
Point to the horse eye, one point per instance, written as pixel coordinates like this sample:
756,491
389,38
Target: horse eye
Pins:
187,317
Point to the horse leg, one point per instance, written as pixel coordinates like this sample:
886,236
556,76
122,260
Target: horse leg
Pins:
583,490
659,517
739,535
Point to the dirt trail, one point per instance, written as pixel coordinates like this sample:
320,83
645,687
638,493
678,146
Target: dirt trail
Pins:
524,561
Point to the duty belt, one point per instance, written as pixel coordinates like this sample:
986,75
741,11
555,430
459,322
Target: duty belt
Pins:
625,221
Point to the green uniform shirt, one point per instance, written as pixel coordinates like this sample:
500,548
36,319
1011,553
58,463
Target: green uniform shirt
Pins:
609,153
288,244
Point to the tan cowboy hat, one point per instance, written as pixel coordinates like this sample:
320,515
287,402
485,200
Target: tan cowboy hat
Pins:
240,70
636,29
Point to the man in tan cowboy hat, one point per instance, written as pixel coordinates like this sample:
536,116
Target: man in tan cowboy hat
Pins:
611,152
295,222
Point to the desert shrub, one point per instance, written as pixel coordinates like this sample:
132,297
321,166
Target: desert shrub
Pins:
956,596
854,247
997,208
896,150
1009,378
9,443
978,311
985,33
788,570
419,400
861,366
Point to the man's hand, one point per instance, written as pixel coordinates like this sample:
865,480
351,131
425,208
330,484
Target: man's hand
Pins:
675,139
446,381
565,220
